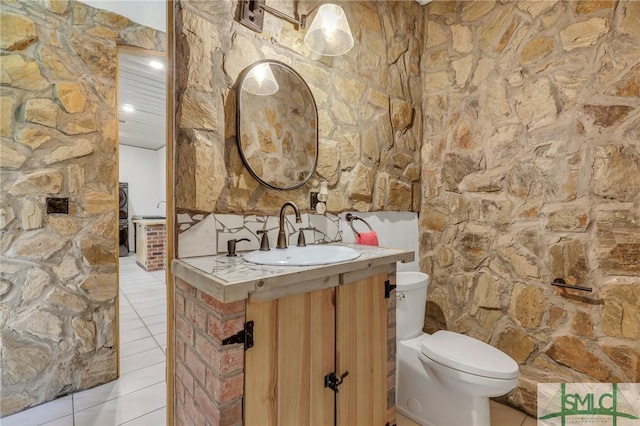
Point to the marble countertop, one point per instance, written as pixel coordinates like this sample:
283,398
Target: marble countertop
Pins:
149,222
229,279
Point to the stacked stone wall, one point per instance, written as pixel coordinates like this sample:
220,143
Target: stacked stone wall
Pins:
531,172
59,272
368,106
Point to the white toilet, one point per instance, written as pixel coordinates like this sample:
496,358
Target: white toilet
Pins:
443,379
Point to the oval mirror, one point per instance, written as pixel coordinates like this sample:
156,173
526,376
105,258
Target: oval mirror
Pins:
277,125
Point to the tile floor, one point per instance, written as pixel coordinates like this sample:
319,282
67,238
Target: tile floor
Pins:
501,415
138,397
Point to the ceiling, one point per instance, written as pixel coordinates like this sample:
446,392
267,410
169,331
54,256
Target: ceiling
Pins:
151,13
143,88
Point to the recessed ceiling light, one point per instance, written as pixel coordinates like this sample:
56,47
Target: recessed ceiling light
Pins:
156,64
128,108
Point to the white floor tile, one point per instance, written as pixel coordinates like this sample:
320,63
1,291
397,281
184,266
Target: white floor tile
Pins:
131,324
158,328
133,335
145,291
161,339
155,418
141,288
126,386
62,421
42,413
137,346
121,410
140,360
155,310
128,316
155,319
150,296
154,303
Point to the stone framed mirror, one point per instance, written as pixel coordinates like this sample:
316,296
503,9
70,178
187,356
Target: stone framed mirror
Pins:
276,125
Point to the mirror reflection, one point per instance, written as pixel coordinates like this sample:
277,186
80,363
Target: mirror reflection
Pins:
277,125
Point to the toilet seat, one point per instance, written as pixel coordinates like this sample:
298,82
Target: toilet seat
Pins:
468,355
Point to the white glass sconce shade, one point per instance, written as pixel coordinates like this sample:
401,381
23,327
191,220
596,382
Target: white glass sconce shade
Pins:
329,33
260,81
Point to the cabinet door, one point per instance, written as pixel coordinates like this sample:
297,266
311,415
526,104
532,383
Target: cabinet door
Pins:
294,348
361,336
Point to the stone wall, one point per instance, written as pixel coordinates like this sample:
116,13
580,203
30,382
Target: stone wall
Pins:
531,172
59,277
368,107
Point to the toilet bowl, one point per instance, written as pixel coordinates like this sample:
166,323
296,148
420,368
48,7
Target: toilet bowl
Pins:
443,379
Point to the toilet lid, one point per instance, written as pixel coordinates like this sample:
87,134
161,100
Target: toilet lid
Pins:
470,355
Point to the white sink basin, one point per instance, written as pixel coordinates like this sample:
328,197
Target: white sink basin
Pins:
302,256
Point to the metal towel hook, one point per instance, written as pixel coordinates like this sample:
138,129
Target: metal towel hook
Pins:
351,218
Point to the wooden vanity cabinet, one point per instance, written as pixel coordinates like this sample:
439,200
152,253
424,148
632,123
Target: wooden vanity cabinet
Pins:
299,340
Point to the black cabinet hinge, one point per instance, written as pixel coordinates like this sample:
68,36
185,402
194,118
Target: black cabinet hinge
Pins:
388,288
243,336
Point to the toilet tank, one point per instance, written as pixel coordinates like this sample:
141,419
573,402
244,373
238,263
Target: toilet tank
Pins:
411,300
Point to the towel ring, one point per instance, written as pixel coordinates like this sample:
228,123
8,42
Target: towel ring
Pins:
351,218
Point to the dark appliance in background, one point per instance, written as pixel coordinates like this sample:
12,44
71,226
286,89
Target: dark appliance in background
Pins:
124,237
124,200
123,213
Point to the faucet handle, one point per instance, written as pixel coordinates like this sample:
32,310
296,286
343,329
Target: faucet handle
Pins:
264,241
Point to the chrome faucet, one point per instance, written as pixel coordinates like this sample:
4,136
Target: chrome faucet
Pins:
282,238
158,205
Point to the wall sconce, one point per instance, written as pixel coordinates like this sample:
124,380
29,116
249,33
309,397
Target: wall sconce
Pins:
260,81
328,35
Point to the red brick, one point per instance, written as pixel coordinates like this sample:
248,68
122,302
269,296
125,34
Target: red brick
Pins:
221,359
231,414
224,389
184,376
193,416
195,314
180,414
391,381
221,308
230,360
187,288
207,406
178,391
179,348
184,330
391,332
206,349
179,305
194,364
220,330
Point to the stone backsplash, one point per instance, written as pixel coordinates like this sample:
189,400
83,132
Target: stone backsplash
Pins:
59,276
531,172
369,130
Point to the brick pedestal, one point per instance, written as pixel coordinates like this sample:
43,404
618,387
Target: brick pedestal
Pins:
209,377
156,252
